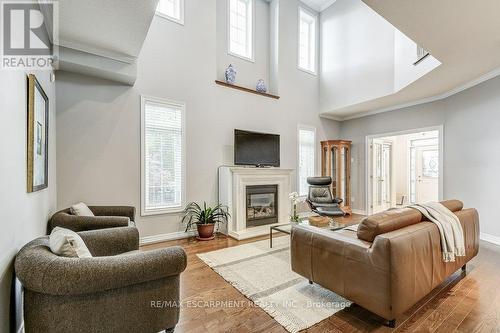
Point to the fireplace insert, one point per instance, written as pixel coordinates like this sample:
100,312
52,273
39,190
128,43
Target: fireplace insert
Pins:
262,205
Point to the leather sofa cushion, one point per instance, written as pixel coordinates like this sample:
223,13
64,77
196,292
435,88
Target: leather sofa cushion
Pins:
394,219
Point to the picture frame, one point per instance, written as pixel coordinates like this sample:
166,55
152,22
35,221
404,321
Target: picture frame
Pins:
38,136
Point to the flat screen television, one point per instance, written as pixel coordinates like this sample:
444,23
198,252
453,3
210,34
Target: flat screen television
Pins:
259,149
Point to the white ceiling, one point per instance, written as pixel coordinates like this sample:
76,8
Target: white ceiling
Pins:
463,35
318,5
113,28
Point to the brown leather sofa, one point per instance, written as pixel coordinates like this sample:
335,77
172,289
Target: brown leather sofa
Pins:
388,265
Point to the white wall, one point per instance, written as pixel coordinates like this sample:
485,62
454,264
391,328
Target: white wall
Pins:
24,215
363,56
405,51
357,57
248,72
99,122
471,146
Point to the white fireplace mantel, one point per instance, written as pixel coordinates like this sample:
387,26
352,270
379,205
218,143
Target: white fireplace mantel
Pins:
232,193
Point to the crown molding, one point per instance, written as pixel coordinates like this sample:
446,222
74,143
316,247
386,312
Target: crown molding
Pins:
485,77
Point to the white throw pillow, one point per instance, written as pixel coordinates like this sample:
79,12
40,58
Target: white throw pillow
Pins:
67,243
81,209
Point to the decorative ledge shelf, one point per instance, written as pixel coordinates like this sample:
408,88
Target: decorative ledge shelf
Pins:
221,83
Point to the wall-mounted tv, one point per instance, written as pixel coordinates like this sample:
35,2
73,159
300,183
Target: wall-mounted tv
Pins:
258,149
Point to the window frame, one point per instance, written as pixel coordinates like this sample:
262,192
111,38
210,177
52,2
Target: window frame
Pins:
171,18
252,39
315,164
315,40
182,107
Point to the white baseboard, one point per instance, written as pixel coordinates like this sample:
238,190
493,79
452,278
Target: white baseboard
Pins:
490,238
358,211
165,237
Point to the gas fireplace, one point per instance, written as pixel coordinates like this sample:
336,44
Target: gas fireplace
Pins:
261,205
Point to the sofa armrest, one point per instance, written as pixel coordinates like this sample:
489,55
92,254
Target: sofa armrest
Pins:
78,276
83,223
126,211
110,242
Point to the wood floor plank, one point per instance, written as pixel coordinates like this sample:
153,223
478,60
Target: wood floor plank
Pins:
463,303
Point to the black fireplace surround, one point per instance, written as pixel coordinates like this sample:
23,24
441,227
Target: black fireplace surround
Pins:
262,205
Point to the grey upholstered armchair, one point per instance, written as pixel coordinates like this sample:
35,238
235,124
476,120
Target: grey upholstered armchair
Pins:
105,217
120,289
320,198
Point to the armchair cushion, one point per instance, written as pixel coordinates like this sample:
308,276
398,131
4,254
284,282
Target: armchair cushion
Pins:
319,194
111,241
67,243
81,209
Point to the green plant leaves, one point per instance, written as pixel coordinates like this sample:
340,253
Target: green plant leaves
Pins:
194,214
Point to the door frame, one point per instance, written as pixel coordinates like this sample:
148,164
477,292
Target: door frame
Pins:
368,183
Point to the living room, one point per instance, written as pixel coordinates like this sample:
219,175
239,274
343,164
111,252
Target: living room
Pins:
235,84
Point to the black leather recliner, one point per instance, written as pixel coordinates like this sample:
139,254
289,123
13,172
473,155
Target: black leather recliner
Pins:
320,198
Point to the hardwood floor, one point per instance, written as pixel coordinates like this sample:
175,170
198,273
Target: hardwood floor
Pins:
464,303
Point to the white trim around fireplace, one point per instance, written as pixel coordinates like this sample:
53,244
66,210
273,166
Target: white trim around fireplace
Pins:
232,193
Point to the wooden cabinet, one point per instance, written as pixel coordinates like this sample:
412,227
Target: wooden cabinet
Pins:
336,163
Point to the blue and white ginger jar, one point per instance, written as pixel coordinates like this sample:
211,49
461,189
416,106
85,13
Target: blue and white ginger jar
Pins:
261,86
230,74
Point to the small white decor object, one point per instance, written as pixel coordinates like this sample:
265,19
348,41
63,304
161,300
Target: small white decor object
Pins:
261,86
67,243
295,199
230,74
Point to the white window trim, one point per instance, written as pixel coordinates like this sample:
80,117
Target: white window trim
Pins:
252,59
316,40
182,105
173,19
312,129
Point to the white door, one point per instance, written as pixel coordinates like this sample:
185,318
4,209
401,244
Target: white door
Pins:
381,157
427,174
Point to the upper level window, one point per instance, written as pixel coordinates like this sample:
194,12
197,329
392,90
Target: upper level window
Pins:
306,157
172,10
162,156
241,28
421,54
307,41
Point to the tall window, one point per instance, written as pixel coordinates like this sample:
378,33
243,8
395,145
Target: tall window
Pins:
307,157
241,28
172,10
162,150
307,41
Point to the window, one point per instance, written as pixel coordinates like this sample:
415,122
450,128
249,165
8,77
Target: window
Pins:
172,10
307,41
162,156
421,54
241,28
306,158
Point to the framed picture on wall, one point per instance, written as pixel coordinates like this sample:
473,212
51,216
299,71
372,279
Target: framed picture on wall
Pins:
38,136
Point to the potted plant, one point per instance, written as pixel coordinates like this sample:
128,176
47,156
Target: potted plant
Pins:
205,218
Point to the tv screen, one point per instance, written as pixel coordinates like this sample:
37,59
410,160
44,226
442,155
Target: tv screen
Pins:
259,149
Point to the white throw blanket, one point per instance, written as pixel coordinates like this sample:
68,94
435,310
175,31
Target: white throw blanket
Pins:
450,229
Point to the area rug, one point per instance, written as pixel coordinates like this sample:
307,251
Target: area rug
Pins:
263,275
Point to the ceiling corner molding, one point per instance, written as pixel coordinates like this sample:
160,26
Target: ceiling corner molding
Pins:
331,117
485,77
326,5
97,51
76,61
